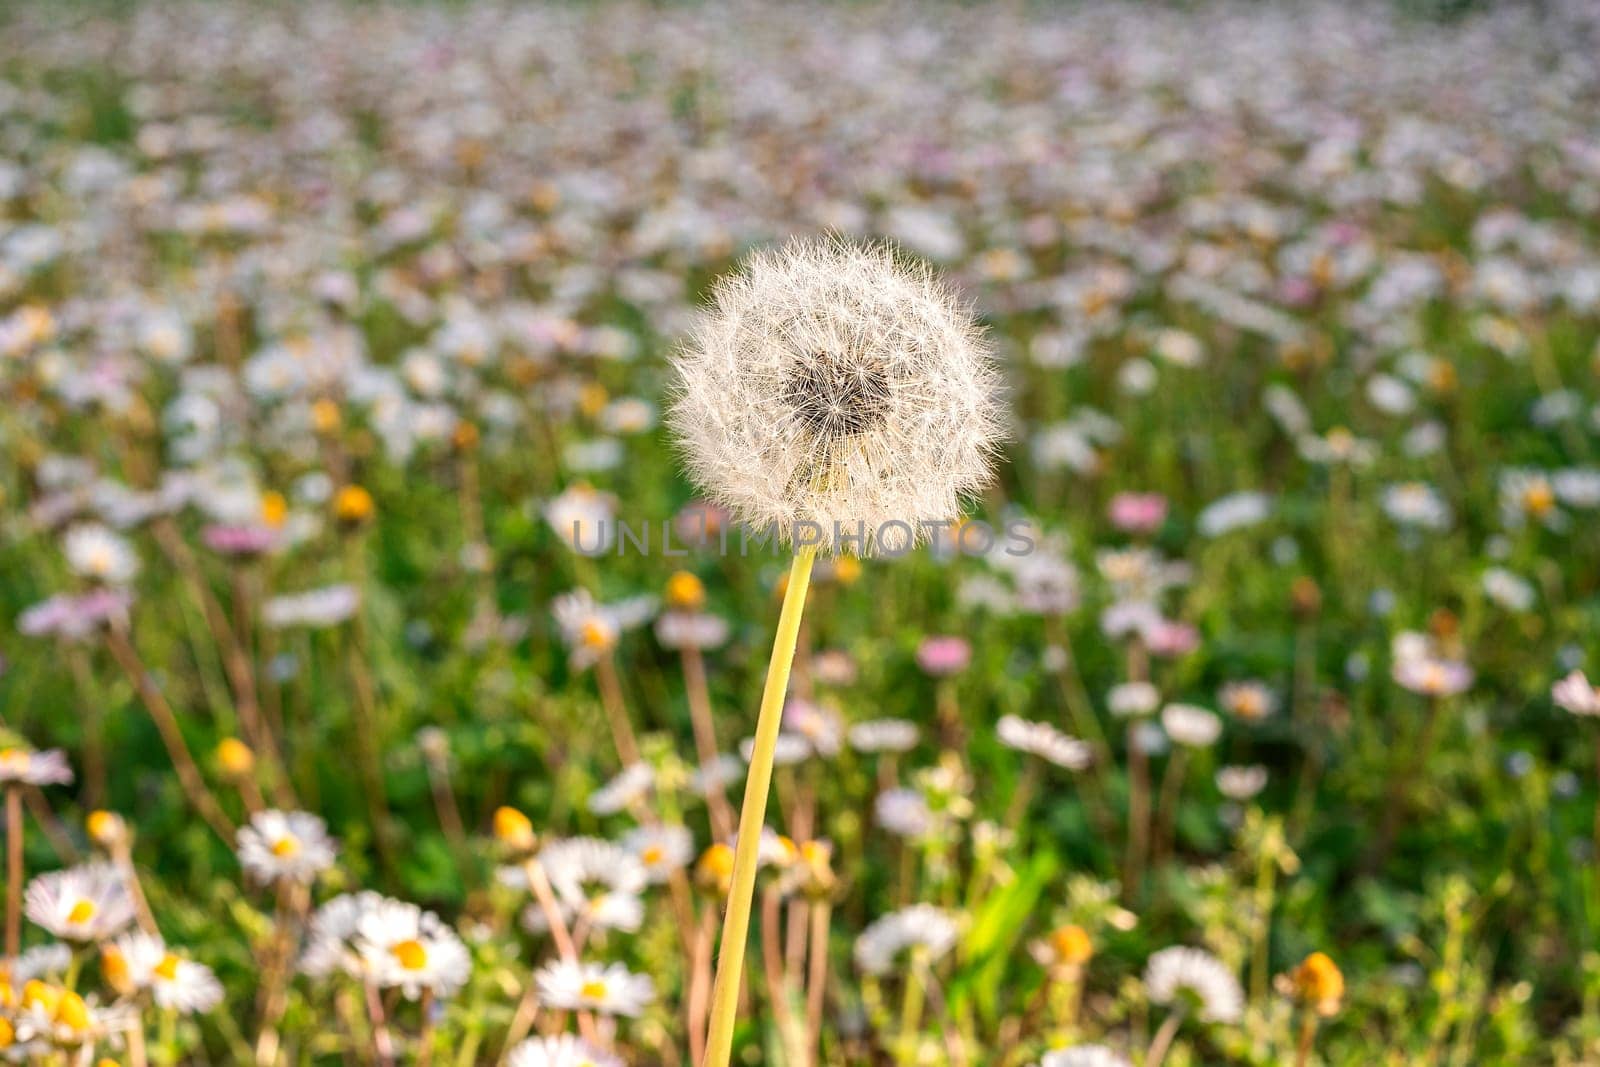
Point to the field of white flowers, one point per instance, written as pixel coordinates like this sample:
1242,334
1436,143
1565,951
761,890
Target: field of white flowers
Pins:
388,396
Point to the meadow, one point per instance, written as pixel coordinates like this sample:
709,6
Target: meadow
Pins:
1241,718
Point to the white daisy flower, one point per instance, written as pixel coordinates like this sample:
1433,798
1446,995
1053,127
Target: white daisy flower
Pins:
1189,725
660,850
1574,693
921,927
609,989
631,785
331,939
903,812
285,846
1045,741
35,768
584,518
97,553
692,629
1248,700
1416,504
173,981
597,880
562,1050
590,629
884,735
1085,1056
41,961
403,946
723,770
1241,783
1133,698
790,749
88,903
1198,977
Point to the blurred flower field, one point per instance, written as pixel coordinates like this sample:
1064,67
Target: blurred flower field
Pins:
341,723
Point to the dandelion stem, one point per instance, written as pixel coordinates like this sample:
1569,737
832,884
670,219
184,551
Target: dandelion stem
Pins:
1162,1042
736,924
911,1010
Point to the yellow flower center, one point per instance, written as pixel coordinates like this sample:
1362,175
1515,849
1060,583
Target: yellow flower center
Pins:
1539,498
592,399
596,634
102,826
168,967
14,758
235,756
652,855
38,995
274,509
685,591
81,912
114,965
411,955
72,1012
7,1034
285,846
593,989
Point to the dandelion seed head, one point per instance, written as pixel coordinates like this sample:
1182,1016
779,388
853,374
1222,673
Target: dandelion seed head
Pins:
838,384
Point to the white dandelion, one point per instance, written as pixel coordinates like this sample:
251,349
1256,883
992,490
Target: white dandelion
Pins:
1196,977
921,927
840,385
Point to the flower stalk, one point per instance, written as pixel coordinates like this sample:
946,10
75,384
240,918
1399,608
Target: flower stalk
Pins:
752,814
